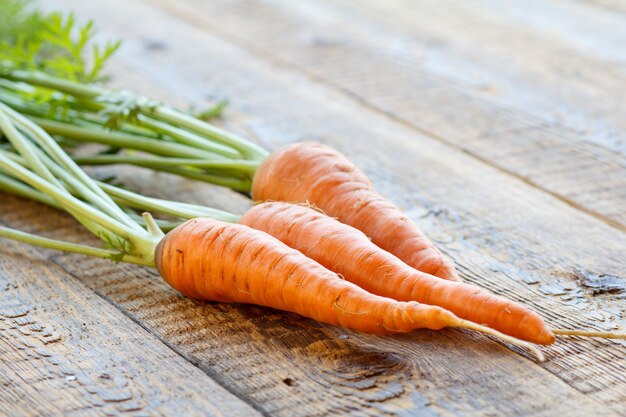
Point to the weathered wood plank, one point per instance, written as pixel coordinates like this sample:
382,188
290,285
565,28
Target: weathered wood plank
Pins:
534,91
288,365
506,235
64,351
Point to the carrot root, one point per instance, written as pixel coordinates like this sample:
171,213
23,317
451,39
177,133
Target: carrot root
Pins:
589,333
212,260
347,251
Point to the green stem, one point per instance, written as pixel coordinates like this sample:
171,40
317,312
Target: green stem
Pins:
121,140
237,184
236,167
75,115
19,189
188,138
44,242
176,133
69,170
243,185
17,103
30,158
16,139
248,149
86,193
185,211
44,80
73,204
86,127
119,195
165,225
163,113
152,226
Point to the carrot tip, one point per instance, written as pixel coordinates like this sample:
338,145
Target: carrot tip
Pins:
589,333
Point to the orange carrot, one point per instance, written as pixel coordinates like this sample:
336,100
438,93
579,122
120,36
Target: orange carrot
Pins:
312,173
347,251
212,260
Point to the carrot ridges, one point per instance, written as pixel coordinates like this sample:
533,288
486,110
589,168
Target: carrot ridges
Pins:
347,251
234,263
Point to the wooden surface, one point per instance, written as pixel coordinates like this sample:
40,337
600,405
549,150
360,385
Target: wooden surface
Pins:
498,128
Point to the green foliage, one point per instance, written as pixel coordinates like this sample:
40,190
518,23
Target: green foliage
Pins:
124,107
67,47
114,242
17,18
54,44
117,257
213,112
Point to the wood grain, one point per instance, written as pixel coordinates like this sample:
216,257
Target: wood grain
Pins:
510,237
287,365
64,351
534,90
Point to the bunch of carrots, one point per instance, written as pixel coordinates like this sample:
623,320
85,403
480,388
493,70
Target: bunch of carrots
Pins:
321,242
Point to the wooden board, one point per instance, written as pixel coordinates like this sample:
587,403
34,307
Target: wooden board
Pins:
66,351
284,364
534,91
504,234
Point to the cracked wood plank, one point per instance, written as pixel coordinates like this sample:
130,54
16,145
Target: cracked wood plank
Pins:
503,234
535,90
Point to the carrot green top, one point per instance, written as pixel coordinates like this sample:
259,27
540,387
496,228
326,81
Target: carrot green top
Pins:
36,167
51,72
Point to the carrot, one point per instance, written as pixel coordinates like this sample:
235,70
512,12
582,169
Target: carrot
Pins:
319,175
347,251
176,142
203,258
212,260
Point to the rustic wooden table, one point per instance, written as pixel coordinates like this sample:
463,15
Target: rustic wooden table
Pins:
499,127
